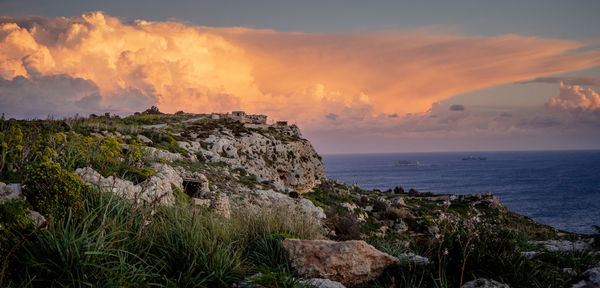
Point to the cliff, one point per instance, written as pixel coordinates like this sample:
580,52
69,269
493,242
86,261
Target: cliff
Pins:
273,153
209,201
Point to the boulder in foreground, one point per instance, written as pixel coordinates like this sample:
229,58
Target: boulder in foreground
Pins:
348,262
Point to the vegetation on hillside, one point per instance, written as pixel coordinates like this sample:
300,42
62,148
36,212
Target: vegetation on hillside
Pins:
464,239
95,238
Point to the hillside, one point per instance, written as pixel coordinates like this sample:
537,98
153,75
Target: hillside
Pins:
226,200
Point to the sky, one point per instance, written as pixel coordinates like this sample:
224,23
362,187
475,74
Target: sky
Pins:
356,76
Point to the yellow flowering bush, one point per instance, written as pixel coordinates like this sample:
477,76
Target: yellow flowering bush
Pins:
53,191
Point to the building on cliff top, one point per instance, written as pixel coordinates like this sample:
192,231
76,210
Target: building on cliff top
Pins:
258,120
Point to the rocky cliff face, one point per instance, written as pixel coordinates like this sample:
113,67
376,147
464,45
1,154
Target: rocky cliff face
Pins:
271,153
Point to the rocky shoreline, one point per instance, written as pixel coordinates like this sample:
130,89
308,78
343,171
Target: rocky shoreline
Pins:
367,238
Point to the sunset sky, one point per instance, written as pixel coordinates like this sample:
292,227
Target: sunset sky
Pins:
356,76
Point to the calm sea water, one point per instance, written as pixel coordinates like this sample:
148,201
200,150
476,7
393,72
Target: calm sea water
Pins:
558,188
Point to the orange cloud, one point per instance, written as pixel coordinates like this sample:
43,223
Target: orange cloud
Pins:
296,76
579,103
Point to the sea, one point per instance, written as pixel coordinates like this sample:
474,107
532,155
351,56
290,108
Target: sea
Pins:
557,188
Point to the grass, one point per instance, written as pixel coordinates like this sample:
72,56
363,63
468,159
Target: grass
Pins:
495,256
324,198
248,180
120,244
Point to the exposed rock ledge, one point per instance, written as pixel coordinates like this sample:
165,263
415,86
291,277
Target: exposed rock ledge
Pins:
294,163
157,187
256,200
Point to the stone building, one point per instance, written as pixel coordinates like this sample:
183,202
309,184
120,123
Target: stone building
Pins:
256,119
238,115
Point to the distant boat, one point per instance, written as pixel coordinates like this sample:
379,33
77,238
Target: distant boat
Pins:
474,158
407,163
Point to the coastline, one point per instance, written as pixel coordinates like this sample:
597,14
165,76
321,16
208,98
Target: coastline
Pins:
159,186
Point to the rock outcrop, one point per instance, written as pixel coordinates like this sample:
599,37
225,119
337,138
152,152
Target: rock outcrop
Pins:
217,201
155,188
255,200
269,155
591,279
348,262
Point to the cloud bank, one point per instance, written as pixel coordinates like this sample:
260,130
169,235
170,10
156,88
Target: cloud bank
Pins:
94,61
581,104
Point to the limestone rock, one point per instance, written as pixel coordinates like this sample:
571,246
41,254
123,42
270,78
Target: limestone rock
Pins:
530,254
202,202
310,209
160,184
349,262
484,283
196,177
353,208
221,205
591,279
413,258
321,283
160,155
280,187
112,184
269,198
35,217
193,147
144,139
156,126
398,202
400,226
10,191
295,164
563,245
381,204
217,201
157,187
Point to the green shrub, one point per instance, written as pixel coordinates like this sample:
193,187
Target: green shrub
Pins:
53,191
138,175
268,252
218,164
13,223
324,196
